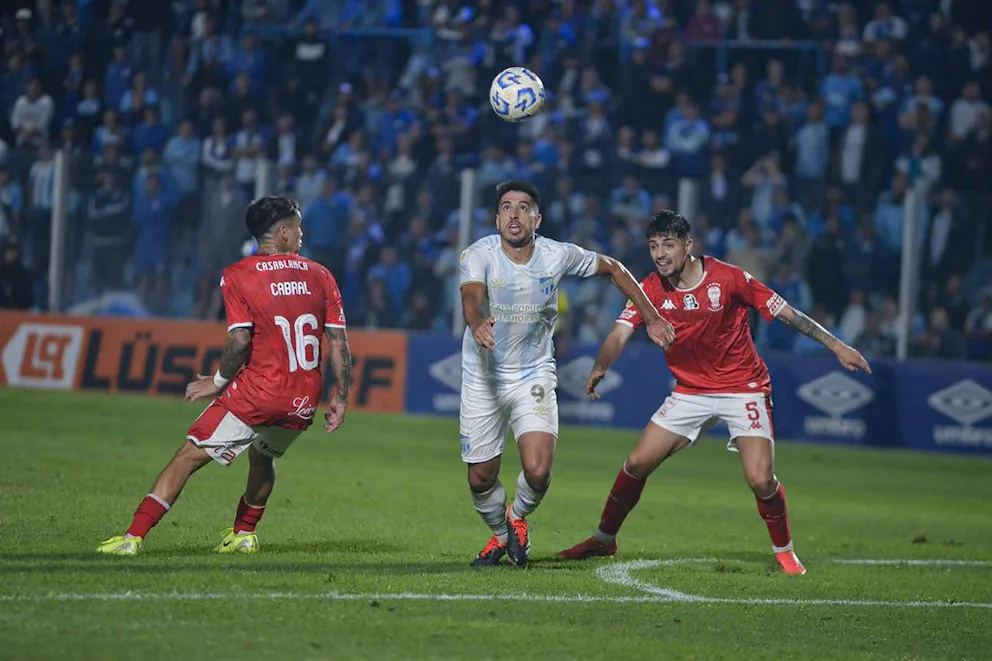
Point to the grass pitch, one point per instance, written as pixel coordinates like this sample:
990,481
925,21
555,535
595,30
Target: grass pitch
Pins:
367,539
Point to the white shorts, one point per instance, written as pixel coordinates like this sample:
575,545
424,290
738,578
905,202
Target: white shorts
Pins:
224,436
487,414
745,414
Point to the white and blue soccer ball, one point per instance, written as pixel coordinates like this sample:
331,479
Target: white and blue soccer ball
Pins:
516,94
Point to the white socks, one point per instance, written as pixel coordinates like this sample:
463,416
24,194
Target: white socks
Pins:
491,506
527,499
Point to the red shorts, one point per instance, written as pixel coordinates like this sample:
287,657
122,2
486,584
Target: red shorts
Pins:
225,436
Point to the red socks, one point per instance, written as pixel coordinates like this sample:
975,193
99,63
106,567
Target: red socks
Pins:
248,517
624,495
150,511
773,510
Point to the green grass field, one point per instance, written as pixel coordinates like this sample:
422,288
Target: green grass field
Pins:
367,539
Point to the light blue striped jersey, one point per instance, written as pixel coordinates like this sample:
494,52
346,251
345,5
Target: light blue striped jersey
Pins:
523,299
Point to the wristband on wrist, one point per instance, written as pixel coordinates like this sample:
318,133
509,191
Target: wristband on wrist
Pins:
219,381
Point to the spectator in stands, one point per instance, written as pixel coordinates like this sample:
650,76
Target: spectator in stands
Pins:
840,91
940,339
873,342
11,204
152,217
223,221
825,272
117,79
978,325
150,133
325,221
218,156
16,282
859,159
247,145
31,118
395,275
811,145
41,190
108,233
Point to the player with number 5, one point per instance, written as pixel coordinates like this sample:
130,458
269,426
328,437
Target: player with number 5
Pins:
269,382
718,376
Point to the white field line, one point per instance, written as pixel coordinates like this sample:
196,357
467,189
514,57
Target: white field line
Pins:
620,574
616,574
329,596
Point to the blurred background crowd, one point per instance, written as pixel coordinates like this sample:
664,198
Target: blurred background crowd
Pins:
800,125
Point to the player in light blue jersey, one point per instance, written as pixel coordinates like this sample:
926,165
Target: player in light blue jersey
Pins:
509,287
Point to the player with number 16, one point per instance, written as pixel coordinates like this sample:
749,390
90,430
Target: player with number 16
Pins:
269,382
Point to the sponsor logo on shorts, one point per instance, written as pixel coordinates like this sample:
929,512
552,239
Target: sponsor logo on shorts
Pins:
269,450
966,403
43,356
572,380
837,395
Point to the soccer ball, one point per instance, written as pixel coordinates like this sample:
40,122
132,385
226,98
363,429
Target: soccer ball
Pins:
516,94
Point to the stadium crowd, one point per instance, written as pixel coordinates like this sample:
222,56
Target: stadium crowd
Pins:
802,134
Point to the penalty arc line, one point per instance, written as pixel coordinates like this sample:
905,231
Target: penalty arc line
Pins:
620,574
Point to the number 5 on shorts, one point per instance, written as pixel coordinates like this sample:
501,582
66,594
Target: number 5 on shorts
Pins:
753,414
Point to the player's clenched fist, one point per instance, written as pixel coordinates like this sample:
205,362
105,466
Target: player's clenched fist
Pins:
661,332
483,333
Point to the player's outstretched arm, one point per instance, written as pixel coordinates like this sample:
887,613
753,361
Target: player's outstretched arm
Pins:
848,356
473,300
658,328
340,354
236,350
610,350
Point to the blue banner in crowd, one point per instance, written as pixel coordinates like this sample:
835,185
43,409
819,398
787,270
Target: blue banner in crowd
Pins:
922,405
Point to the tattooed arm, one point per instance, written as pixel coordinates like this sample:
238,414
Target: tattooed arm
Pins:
849,357
340,354
235,353
236,350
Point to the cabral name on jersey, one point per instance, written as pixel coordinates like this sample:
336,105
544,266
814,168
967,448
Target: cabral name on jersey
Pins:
280,264
294,288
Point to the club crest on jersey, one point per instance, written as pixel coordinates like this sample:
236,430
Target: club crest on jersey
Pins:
713,293
690,302
547,284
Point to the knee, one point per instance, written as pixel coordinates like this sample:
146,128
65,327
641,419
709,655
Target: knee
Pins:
191,457
640,464
761,480
482,478
538,475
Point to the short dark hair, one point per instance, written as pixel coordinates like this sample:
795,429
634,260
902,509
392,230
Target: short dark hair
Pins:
668,224
266,212
517,186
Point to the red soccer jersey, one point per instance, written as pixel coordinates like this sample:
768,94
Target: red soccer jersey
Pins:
287,301
713,351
